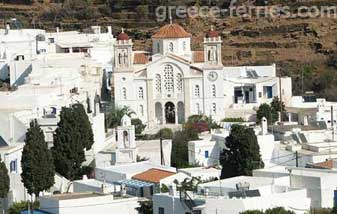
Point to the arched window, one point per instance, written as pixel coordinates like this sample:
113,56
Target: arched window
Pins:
158,83
124,93
197,91
213,89
171,47
168,78
119,58
141,93
141,110
214,108
197,108
125,139
179,82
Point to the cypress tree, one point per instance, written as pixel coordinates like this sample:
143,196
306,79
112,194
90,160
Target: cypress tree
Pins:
4,180
37,163
242,154
84,126
71,138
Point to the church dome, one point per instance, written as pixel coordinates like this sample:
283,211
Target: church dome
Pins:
171,31
123,36
212,33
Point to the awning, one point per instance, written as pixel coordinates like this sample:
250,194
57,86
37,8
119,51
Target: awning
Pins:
134,183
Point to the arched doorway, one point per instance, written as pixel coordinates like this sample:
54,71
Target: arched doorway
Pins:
181,113
170,114
159,113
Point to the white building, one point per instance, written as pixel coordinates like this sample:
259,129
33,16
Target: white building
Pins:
126,171
178,82
88,203
234,195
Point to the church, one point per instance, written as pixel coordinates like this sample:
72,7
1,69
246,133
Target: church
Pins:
174,82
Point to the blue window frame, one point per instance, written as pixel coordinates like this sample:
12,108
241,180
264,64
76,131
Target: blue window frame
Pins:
206,154
269,92
13,166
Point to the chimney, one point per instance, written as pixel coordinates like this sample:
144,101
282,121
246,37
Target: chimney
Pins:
264,126
172,190
8,28
305,120
109,30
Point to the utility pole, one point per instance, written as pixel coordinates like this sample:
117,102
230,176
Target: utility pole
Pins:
296,153
281,103
162,161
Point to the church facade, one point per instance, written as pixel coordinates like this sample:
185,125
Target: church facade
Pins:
174,82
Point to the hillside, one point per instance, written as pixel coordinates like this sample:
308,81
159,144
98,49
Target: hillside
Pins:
305,49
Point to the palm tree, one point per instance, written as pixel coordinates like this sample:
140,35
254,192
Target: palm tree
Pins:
115,116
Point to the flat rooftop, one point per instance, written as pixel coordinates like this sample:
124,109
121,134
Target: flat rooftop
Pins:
71,196
254,182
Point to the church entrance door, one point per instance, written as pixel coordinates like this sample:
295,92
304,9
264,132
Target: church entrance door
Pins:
170,114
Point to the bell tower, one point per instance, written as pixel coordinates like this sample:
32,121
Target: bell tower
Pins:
123,52
126,151
212,49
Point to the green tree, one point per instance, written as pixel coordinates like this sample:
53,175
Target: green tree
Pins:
334,210
139,126
242,154
68,150
268,112
17,207
165,133
116,114
37,163
277,105
84,126
146,207
278,210
4,181
179,155
164,188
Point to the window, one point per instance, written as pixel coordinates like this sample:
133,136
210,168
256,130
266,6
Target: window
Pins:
124,93
197,91
158,83
158,47
168,78
141,110
206,154
214,108
179,82
171,48
13,166
184,46
213,89
197,108
51,40
141,93
161,210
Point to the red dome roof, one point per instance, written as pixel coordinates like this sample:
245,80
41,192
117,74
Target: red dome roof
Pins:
212,33
171,31
123,36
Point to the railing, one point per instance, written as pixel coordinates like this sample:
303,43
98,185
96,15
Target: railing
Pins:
188,201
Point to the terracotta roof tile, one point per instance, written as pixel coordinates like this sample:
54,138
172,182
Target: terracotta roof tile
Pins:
328,164
171,31
153,175
140,58
198,56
